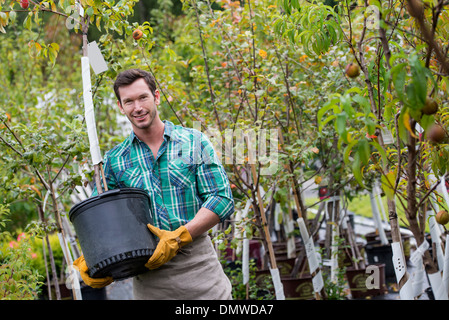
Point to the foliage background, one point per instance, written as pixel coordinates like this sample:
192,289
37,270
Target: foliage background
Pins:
247,65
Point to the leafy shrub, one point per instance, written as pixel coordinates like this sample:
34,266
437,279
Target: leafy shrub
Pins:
18,279
254,291
58,255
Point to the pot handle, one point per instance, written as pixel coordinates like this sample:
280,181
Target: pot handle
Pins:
109,192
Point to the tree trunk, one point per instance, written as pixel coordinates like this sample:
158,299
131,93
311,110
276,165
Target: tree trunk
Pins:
52,261
412,205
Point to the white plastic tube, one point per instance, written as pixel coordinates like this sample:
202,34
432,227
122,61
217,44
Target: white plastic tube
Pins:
377,219
435,234
312,258
288,228
334,252
446,266
245,253
442,187
439,291
334,235
72,281
278,287
89,112
245,260
419,274
400,268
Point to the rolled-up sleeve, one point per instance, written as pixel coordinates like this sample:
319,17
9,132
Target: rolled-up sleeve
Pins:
213,183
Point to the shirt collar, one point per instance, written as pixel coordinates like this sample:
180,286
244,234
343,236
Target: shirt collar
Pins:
168,131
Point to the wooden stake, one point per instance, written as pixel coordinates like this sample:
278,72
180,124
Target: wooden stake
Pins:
289,168
97,178
104,178
264,219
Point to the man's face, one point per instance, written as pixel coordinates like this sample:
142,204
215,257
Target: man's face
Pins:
139,104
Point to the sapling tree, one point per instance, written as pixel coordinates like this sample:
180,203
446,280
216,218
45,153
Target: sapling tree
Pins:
43,140
382,116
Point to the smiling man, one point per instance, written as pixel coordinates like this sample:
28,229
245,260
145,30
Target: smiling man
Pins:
189,192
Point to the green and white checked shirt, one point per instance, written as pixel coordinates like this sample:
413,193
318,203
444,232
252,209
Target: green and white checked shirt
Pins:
185,176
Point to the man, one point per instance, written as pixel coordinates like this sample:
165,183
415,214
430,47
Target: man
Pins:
189,191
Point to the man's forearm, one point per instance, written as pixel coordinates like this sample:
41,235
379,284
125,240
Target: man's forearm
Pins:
204,220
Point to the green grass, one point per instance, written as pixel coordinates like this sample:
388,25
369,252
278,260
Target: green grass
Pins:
362,206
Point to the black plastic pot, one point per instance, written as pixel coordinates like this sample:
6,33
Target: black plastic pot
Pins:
377,253
89,293
113,233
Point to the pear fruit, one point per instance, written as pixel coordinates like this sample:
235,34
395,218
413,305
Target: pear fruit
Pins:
436,134
442,217
430,107
352,70
137,34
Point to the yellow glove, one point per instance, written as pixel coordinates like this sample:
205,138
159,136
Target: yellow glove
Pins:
97,283
169,244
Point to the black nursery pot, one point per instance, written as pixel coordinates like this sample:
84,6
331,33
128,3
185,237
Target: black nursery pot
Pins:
377,253
113,233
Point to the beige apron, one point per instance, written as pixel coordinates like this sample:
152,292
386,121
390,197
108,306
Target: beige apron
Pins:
193,274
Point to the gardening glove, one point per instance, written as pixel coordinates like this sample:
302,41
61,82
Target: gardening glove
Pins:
169,244
97,283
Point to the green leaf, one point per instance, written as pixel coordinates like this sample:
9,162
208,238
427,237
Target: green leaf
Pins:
401,128
331,104
363,102
345,101
279,26
364,151
287,7
389,110
55,46
412,102
328,119
305,39
348,150
27,21
419,81
388,182
398,74
426,121
340,124
357,171
90,11
370,125
295,4
381,152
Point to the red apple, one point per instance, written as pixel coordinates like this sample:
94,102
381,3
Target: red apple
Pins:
24,4
323,192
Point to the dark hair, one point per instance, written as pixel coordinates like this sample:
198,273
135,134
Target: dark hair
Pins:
129,76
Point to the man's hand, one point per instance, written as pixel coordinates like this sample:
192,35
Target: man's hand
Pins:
97,283
169,244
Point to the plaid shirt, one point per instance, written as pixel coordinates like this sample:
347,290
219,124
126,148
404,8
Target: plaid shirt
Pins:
185,176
